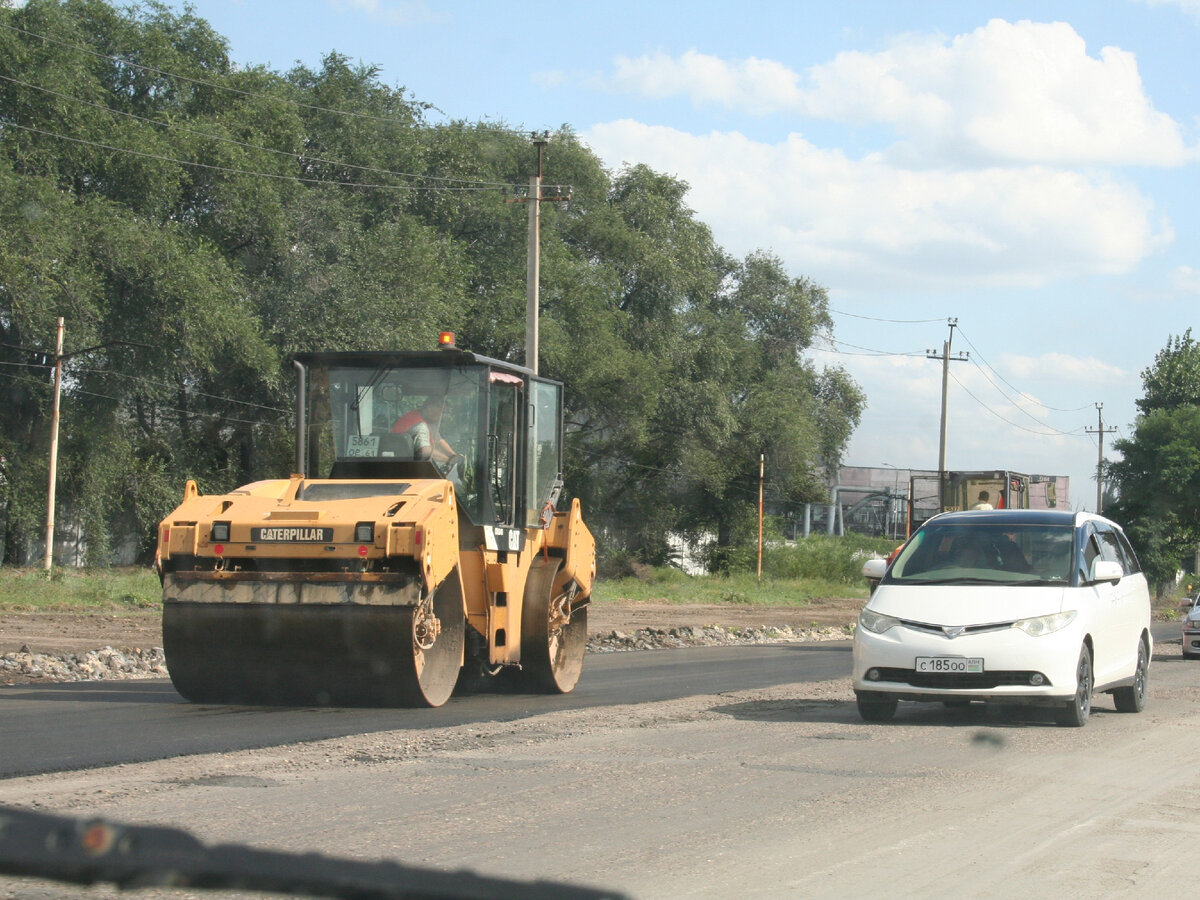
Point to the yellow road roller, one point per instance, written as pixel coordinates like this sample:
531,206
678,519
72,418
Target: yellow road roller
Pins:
418,546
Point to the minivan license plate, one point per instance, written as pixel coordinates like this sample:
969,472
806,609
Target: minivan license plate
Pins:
950,664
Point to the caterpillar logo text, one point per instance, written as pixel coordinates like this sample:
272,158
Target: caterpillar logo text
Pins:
292,535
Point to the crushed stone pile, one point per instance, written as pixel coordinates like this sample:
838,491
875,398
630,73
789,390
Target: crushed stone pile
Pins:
712,635
95,665
108,663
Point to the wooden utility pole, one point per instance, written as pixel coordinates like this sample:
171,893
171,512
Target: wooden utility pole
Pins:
946,359
58,365
1100,431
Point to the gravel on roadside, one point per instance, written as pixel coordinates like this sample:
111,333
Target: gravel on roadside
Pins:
107,663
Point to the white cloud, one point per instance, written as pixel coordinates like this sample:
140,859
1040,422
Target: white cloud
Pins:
861,223
1006,92
1190,7
758,86
394,12
549,78
1186,279
1062,367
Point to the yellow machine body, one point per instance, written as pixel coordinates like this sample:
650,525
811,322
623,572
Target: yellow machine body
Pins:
397,575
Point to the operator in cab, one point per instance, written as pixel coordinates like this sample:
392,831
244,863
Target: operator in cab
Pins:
423,425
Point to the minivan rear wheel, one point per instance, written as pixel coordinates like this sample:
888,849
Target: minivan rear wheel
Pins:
1132,699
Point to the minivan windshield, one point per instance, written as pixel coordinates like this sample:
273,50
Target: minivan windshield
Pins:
1002,553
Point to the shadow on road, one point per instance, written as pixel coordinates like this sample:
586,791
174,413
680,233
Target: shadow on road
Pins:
925,715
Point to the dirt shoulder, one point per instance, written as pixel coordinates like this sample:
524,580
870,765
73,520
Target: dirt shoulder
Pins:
59,633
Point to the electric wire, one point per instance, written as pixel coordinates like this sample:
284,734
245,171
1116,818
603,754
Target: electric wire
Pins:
220,87
298,157
190,393
867,351
731,488
888,321
1012,386
105,373
1015,403
183,414
183,162
1054,432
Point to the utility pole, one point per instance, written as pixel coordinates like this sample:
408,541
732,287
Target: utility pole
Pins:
59,358
762,461
946,359
1100,431
533,261
58,365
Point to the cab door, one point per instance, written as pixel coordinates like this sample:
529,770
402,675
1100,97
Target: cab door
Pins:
504,454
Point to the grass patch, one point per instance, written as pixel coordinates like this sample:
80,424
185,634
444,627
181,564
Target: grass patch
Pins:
794,574
79,590
738,589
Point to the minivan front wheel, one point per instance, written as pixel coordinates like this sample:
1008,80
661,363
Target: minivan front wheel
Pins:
1075,713
875,707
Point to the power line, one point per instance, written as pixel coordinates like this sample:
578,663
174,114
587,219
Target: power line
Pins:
298,157
1014,387
1053,432
191,393
889,321
1011,400
138,381
158,407
227,169
866,351
220,87
733,489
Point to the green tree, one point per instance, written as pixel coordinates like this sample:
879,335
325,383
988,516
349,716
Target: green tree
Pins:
196,223
1174,379
1157,479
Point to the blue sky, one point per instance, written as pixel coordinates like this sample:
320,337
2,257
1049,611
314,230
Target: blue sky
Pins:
1030,169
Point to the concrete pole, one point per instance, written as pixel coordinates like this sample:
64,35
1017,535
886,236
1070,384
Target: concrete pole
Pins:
945,358
534,260
1099,432
532,272
58,361
761,467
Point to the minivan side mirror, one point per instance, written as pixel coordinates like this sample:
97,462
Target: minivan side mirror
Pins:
874,569
1107,570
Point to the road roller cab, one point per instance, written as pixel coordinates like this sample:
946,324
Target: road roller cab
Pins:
419,544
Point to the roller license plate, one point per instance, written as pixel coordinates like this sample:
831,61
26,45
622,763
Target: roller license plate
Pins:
362,445
950,665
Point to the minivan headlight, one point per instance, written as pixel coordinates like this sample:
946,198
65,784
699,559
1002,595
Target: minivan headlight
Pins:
1041,625
876,622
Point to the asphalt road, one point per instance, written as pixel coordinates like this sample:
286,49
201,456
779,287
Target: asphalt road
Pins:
743,779
82,725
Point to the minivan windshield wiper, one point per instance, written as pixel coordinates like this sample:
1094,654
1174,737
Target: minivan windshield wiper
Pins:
971,579
958,579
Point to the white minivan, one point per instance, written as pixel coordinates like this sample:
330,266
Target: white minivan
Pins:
1036,607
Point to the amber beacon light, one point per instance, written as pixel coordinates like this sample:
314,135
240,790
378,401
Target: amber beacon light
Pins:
446,340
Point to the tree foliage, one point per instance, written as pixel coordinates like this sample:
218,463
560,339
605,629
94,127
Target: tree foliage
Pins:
1157,480
196,223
